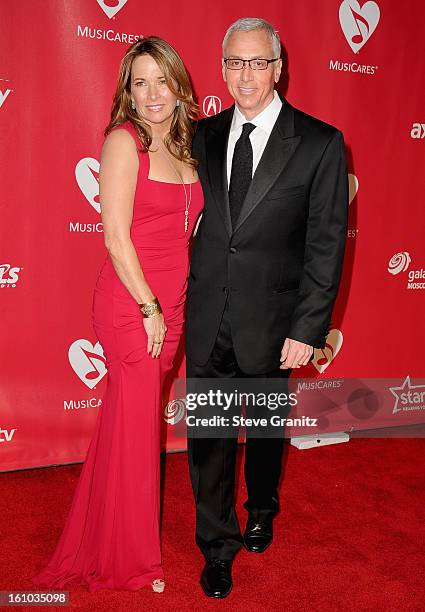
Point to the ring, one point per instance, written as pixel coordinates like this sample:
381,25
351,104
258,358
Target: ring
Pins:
160,342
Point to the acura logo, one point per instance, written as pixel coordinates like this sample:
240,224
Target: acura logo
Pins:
211,106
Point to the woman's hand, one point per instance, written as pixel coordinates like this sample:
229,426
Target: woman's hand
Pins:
156,329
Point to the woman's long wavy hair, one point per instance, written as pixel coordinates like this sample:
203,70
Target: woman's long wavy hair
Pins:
179,139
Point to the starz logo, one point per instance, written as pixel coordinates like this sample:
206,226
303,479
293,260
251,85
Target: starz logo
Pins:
408,397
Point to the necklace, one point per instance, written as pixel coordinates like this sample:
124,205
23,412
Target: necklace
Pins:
188,200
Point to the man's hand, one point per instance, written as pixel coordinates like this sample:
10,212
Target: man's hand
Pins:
295,354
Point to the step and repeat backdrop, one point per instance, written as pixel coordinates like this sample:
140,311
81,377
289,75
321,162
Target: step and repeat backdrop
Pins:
356,65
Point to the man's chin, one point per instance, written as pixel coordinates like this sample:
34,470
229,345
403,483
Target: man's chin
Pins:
247,102
248,109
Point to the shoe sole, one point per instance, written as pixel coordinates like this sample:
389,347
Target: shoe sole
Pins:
219,596
259,552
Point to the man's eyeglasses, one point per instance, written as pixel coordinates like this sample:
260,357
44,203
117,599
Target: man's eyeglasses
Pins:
254,64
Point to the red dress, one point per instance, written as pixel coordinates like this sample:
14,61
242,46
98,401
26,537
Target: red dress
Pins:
111,536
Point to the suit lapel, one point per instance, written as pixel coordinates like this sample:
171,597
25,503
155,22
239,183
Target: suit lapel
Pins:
280,147
216,147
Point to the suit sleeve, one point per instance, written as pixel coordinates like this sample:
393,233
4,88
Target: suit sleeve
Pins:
325,243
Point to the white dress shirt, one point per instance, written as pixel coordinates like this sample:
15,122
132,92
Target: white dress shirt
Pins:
263,122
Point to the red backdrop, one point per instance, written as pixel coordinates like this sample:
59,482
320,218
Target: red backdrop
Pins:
359,66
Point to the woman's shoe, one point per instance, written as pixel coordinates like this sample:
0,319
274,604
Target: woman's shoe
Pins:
158,585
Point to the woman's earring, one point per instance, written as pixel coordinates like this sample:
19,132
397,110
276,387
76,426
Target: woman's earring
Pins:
133,104
178,103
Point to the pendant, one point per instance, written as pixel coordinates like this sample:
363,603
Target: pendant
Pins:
186,220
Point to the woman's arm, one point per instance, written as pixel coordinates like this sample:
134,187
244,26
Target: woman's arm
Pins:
117,181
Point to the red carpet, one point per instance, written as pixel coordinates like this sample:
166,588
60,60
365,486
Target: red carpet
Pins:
350,535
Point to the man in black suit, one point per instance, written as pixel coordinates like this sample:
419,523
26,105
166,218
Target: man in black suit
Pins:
264,276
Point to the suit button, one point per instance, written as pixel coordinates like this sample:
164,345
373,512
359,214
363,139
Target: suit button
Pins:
233,250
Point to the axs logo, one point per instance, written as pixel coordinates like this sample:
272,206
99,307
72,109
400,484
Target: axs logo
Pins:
8,276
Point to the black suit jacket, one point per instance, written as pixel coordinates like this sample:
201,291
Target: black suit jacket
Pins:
280,265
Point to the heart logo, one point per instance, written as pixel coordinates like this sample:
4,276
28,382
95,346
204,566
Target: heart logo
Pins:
358,23
111,8
87,176
87,361
324,357
353,187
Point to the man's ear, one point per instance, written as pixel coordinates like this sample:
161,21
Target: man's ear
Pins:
278,70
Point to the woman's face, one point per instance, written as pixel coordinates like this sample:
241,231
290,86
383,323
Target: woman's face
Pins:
149,90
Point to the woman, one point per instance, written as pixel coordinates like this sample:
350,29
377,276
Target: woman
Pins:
150,199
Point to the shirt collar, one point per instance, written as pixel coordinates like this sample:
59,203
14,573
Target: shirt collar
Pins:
264,120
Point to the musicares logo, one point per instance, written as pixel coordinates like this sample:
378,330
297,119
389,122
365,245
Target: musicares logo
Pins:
87,361
323,357
87,175
211,106
358,23
111,7
400,262
353,187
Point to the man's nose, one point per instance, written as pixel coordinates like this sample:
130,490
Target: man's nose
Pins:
246,73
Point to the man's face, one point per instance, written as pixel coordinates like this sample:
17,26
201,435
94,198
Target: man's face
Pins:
252,90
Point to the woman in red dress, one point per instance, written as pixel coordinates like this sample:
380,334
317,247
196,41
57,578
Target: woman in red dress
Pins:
150,200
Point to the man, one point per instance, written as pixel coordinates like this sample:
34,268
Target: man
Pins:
264,275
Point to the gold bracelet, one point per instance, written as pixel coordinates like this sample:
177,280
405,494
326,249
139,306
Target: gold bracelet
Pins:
151,309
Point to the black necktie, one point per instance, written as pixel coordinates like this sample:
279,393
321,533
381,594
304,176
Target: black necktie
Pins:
241,174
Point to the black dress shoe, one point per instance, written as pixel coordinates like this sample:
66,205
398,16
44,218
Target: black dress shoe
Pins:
216,578
258,533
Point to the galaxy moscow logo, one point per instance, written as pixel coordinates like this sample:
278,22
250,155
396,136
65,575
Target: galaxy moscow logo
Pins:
417,132
400,262
87,177
358,23
9,276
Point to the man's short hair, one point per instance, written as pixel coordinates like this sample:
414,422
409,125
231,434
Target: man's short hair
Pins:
247,24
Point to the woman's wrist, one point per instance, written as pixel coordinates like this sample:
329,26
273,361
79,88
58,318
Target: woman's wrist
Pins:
151,308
